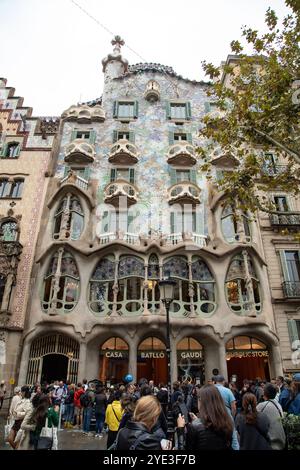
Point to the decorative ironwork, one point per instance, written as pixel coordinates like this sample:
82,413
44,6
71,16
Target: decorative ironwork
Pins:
291,289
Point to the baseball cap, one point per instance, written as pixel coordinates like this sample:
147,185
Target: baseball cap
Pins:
219,378
296,377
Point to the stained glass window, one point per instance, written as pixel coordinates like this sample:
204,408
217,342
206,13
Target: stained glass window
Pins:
242,288
131,266
69,213
61,286
176,267
8,232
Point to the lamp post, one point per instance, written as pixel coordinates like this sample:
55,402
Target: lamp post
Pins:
166,287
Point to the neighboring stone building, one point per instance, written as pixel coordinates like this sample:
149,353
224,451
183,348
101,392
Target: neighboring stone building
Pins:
113,225
25,150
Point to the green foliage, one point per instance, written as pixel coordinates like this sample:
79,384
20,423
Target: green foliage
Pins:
257,113
291,424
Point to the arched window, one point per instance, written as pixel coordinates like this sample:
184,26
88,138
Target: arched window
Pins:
203,288
8,231
101,286
177,268
242,285
61,284
234,226
68,219
131,275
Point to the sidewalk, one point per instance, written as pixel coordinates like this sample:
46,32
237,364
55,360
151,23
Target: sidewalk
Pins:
67,440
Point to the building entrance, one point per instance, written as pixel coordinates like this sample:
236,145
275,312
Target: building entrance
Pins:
55,367
113,361
190,360
152,361
247,358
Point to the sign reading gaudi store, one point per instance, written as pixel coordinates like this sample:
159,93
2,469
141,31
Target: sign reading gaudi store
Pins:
115,354
189,354
240,354
151,354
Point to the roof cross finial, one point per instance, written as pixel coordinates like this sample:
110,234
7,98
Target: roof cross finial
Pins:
117,42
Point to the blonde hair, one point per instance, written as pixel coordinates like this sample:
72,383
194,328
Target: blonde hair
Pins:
147,411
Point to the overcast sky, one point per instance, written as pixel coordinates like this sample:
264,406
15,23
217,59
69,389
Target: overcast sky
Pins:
51,51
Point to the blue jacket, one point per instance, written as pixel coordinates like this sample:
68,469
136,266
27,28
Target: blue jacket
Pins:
294,406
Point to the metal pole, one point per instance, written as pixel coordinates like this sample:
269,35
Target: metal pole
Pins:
168,348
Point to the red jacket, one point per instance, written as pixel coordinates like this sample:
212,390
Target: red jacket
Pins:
77,396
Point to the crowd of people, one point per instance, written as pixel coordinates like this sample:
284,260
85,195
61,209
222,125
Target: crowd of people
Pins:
141,416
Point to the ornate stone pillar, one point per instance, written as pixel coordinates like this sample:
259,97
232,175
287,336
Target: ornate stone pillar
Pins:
132,365
65,219
82,361
222,360
55,283
275,361
249,287
115,287
191,289
7,291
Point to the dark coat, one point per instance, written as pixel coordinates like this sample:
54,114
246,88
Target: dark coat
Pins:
133,431
253,436
201,438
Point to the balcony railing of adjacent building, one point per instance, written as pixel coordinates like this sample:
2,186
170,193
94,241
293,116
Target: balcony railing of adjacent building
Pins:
285,219
135,239
272,170
291,289
123,152
75,179
181,153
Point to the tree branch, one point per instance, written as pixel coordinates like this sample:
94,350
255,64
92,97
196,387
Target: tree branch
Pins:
294,154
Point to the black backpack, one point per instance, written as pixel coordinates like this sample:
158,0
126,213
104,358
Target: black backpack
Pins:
85,400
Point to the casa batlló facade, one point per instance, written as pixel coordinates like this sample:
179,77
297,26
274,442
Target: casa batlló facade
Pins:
127,205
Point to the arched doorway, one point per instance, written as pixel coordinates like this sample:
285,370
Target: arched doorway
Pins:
58,372
247,358
152,360
53,357
190,360
113,361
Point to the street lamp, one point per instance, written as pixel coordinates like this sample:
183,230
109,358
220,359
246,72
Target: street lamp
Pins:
166,287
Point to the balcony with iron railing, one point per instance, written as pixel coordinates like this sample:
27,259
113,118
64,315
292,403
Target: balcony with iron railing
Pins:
285,219
181,153
120,188
273,170
123,152
291,289
184,192
79,151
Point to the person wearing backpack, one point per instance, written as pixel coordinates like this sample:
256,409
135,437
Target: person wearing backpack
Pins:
272,409
113,418
87,400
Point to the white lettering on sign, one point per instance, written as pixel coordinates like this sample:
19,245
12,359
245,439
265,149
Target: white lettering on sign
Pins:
114,354
152,355
191,355
230,354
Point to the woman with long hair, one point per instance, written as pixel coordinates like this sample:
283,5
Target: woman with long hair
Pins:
137,435
214,428
35,420
252,426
